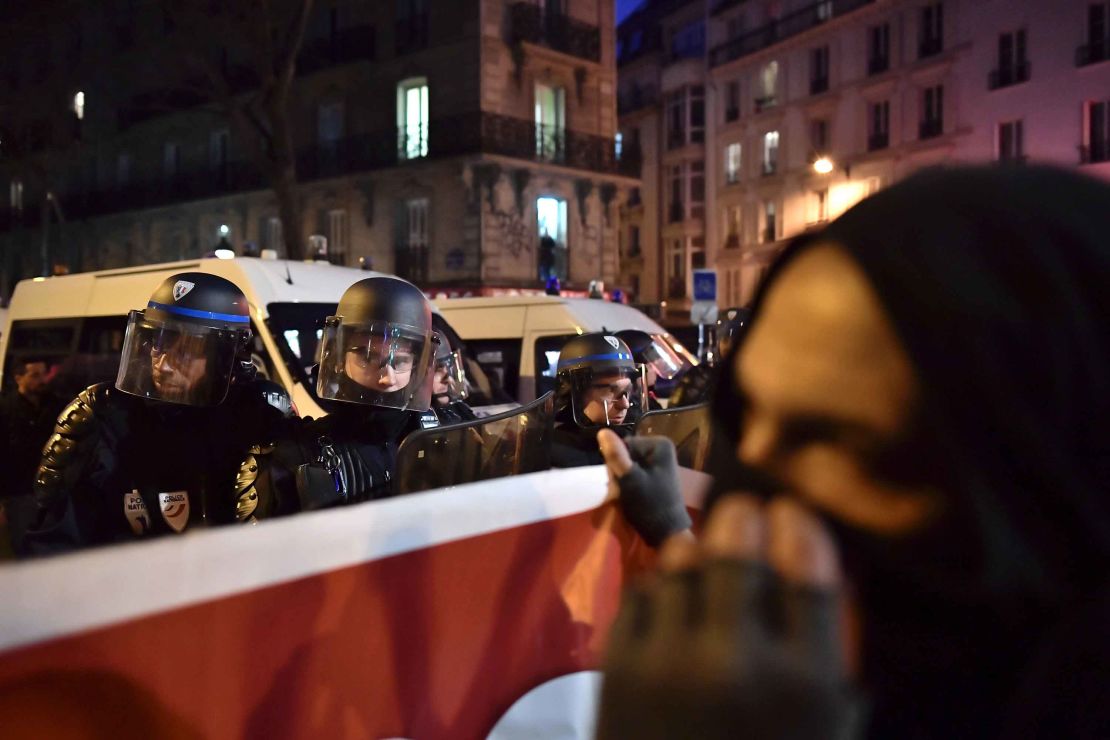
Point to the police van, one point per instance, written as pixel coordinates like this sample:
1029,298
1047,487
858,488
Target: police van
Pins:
516,339
76,323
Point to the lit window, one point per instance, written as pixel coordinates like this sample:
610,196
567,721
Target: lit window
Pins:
16,195
337,231
551,223
618,144
732,163
550,119
79,105
412,118
273,233
770,152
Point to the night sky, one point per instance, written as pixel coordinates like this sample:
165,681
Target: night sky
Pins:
624,7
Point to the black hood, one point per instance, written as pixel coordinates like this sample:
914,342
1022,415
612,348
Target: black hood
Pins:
997,282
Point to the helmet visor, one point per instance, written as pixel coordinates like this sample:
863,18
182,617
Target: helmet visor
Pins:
378,363
661,359
608,397
177,361
449,382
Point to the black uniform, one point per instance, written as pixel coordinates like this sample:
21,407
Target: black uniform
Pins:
121,468
381,325
25,426
456,412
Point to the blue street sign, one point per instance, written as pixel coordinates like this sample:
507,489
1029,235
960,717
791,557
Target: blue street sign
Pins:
705,285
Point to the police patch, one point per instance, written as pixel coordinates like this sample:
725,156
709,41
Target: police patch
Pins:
134,508
181,289
613,342
175,509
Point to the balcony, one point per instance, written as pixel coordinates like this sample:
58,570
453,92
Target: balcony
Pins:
783,28
1095,152
676,213
818,85
410,262
930,47
876,65
767,101
930,128
1006,76
1093,52
529,22
347,46
877,142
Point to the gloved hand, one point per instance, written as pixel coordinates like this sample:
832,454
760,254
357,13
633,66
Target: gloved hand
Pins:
738,637
645,471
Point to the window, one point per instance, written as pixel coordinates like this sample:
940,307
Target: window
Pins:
824,10
1097,48
819,206
411,31
676,119
123,170
676,268
733,223
1011,144
688,42
677,211
171,159
551,223
550,122
1013,67
634,241
272,238
697,189
770,222
218,146
412,118
819,135
878,49
15,195
769,81
819,70
329,125
411,258
697,113
732,101
932,112
932,30
1097,133
618,145
732,163
878,122
547,351
337,233
770,152
79,105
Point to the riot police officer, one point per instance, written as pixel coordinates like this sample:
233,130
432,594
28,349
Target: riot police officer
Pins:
156,452
375,379
660,362
449,386
598,386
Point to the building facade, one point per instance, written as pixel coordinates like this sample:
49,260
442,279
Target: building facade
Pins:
812,106
441,140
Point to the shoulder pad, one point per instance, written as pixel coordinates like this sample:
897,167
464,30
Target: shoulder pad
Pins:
75,418
246,492
76,422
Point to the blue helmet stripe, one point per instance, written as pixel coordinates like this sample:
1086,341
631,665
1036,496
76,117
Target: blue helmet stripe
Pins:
196,314
592,358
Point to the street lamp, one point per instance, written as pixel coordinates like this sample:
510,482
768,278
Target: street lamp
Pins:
823,166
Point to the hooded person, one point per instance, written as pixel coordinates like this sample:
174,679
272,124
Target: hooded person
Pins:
449,385
156,452
923,395
375,379
598,386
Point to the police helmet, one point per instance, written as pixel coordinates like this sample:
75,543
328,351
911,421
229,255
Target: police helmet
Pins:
378,347
599,380
182,347
450,383
654,353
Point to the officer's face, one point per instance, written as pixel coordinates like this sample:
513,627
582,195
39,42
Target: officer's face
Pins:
178,365
608,399
380,365
439,380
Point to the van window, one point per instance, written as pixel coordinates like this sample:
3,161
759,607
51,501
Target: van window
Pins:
499,358
547,361
297,328
484,389
48,340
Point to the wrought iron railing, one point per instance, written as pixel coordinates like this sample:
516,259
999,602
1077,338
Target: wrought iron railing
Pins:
1010,75
875,142
783,28
1092,52
1096,151
930,128
534,24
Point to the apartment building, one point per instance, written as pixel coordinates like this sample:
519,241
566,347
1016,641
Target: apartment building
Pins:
437,139
812,106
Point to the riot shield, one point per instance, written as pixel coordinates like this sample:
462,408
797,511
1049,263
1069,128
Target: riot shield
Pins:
687,426
517,441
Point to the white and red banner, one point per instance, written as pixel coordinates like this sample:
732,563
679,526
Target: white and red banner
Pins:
425,616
